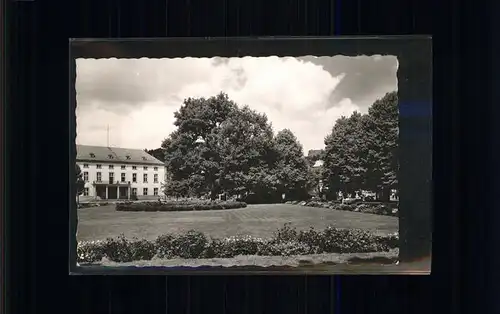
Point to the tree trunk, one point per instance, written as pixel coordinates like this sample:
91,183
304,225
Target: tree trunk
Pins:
384,195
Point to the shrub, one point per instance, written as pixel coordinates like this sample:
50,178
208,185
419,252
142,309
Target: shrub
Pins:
90,251
193,244
286,233
164,245
189,245
118,249
182,205
274,248
378,208
142,249
349,241
234,246
312,238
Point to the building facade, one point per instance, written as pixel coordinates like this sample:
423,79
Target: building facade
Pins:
114,173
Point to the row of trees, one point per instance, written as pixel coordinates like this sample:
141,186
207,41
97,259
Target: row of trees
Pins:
362,150
220,147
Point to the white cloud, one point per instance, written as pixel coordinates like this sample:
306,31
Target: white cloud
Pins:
137,97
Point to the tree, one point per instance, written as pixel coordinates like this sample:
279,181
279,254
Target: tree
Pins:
382,137
219,147
292,169
80,183
345,155
157,153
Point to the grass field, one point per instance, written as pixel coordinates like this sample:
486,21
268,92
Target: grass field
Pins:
98,223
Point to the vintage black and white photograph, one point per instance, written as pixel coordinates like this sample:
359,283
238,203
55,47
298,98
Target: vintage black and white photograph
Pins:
248,161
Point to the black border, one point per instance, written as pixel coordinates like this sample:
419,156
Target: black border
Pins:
414,54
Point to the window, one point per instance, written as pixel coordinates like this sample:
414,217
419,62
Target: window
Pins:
92,155
123,177
98,166
155,191
134,167
111,167
111,177
134,177
85,176
134,191
86,192
145,191
99,177
124,167
143,158
110,156
85,165
128,157
155,168
145,168
155,178
145,178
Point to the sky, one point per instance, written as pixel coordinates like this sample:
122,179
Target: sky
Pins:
137,98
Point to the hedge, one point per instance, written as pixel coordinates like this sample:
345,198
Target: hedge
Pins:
378,208
185,205
193,244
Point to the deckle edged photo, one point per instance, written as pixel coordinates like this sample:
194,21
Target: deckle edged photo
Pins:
237,162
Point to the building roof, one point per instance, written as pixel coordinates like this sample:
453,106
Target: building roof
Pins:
114,155
318,163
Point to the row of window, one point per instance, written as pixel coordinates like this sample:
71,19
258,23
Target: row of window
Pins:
134,191
123,177
99,166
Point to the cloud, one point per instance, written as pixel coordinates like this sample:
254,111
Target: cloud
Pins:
366,78
137,97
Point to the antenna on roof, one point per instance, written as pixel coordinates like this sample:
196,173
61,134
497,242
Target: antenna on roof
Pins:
108,136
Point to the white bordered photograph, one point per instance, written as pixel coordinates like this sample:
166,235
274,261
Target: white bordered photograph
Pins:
252,161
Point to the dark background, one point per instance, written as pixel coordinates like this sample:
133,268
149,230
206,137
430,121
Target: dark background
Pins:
36,181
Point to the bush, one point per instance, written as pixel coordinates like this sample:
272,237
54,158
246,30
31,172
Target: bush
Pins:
142,249
164,245
378,208
183,205
234,246
286,233
118,249
193,244
312,238
89,251
274,248
189,245
349,241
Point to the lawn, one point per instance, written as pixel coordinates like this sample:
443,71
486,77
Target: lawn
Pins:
98,223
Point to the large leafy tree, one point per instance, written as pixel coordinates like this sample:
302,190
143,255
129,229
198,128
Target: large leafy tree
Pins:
157,153
362,150
191,152
292,167
246,152
218,147
382,135
345,155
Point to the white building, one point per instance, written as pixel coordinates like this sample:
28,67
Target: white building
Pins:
118,173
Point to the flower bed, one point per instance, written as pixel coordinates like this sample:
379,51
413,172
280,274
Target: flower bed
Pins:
287,241
377,208
183,205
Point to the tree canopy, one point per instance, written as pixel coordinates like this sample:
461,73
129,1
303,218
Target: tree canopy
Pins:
361,151
219,147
